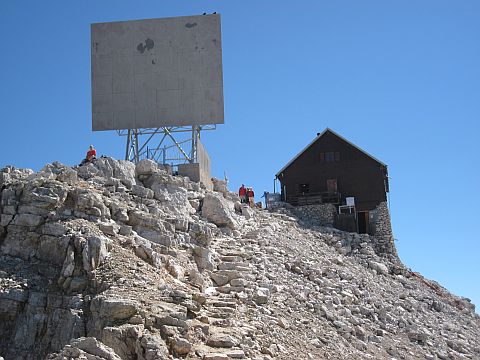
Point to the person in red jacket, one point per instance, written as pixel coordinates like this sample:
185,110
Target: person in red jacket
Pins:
91,154
250,196
242,193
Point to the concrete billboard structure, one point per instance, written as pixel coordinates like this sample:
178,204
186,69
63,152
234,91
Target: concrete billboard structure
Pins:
199,171
157,73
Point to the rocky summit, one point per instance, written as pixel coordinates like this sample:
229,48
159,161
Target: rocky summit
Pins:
113,260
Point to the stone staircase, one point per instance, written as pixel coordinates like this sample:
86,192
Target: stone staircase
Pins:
233,275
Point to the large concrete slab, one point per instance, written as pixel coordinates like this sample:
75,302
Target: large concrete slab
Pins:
157,72
199,171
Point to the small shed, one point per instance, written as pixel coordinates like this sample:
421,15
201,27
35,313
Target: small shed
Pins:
332,170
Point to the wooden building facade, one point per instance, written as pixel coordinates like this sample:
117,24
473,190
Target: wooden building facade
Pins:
333,170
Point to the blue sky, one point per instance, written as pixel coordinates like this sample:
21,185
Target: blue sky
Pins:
399,79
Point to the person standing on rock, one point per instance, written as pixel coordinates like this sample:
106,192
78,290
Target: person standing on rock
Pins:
242,193
251,197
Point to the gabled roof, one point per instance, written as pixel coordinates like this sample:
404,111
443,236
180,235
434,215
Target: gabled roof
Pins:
317,138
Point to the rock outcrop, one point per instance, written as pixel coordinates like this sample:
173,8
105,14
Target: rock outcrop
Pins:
116,261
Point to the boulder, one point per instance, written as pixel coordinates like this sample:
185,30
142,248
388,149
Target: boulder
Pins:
174,197
175,269
123,339
146,167
247,212
112,309
88,171
203,258
143,249
95,250
86,348
201,233
142,192
219,279
63,173
90,203
378,267
218,210
180,346
125,171
220,185
108,167
260,296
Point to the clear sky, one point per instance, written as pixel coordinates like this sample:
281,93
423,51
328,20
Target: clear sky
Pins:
400,79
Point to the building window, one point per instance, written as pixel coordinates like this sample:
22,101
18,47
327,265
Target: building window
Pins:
330,156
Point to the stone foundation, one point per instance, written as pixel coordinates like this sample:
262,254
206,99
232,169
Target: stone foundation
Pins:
382,230
319,215
380,237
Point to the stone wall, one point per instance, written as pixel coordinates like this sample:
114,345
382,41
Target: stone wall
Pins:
382,230
320,215
381,238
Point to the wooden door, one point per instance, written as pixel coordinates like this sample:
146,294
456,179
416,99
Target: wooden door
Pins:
332,185
363,222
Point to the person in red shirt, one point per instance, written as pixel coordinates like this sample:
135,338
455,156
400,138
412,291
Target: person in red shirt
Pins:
242,193
250,196
91,154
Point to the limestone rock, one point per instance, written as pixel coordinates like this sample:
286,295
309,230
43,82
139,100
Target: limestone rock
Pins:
86,348
260,296
95,251
142,192
216,356
247,212
113,309
123,339
217,210
146,167
221,341
181,346
203,258
117,259
378,267
28,220
220,185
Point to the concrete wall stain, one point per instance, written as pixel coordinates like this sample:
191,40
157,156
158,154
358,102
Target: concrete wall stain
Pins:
148,45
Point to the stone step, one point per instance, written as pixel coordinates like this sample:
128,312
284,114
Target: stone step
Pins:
220,313
215,356
231,354
221,341
221,303
211,353
236,354
231,258
239,282
240,266
222,323
230,274
227,289
228,248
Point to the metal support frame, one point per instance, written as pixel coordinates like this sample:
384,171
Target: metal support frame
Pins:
138,141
